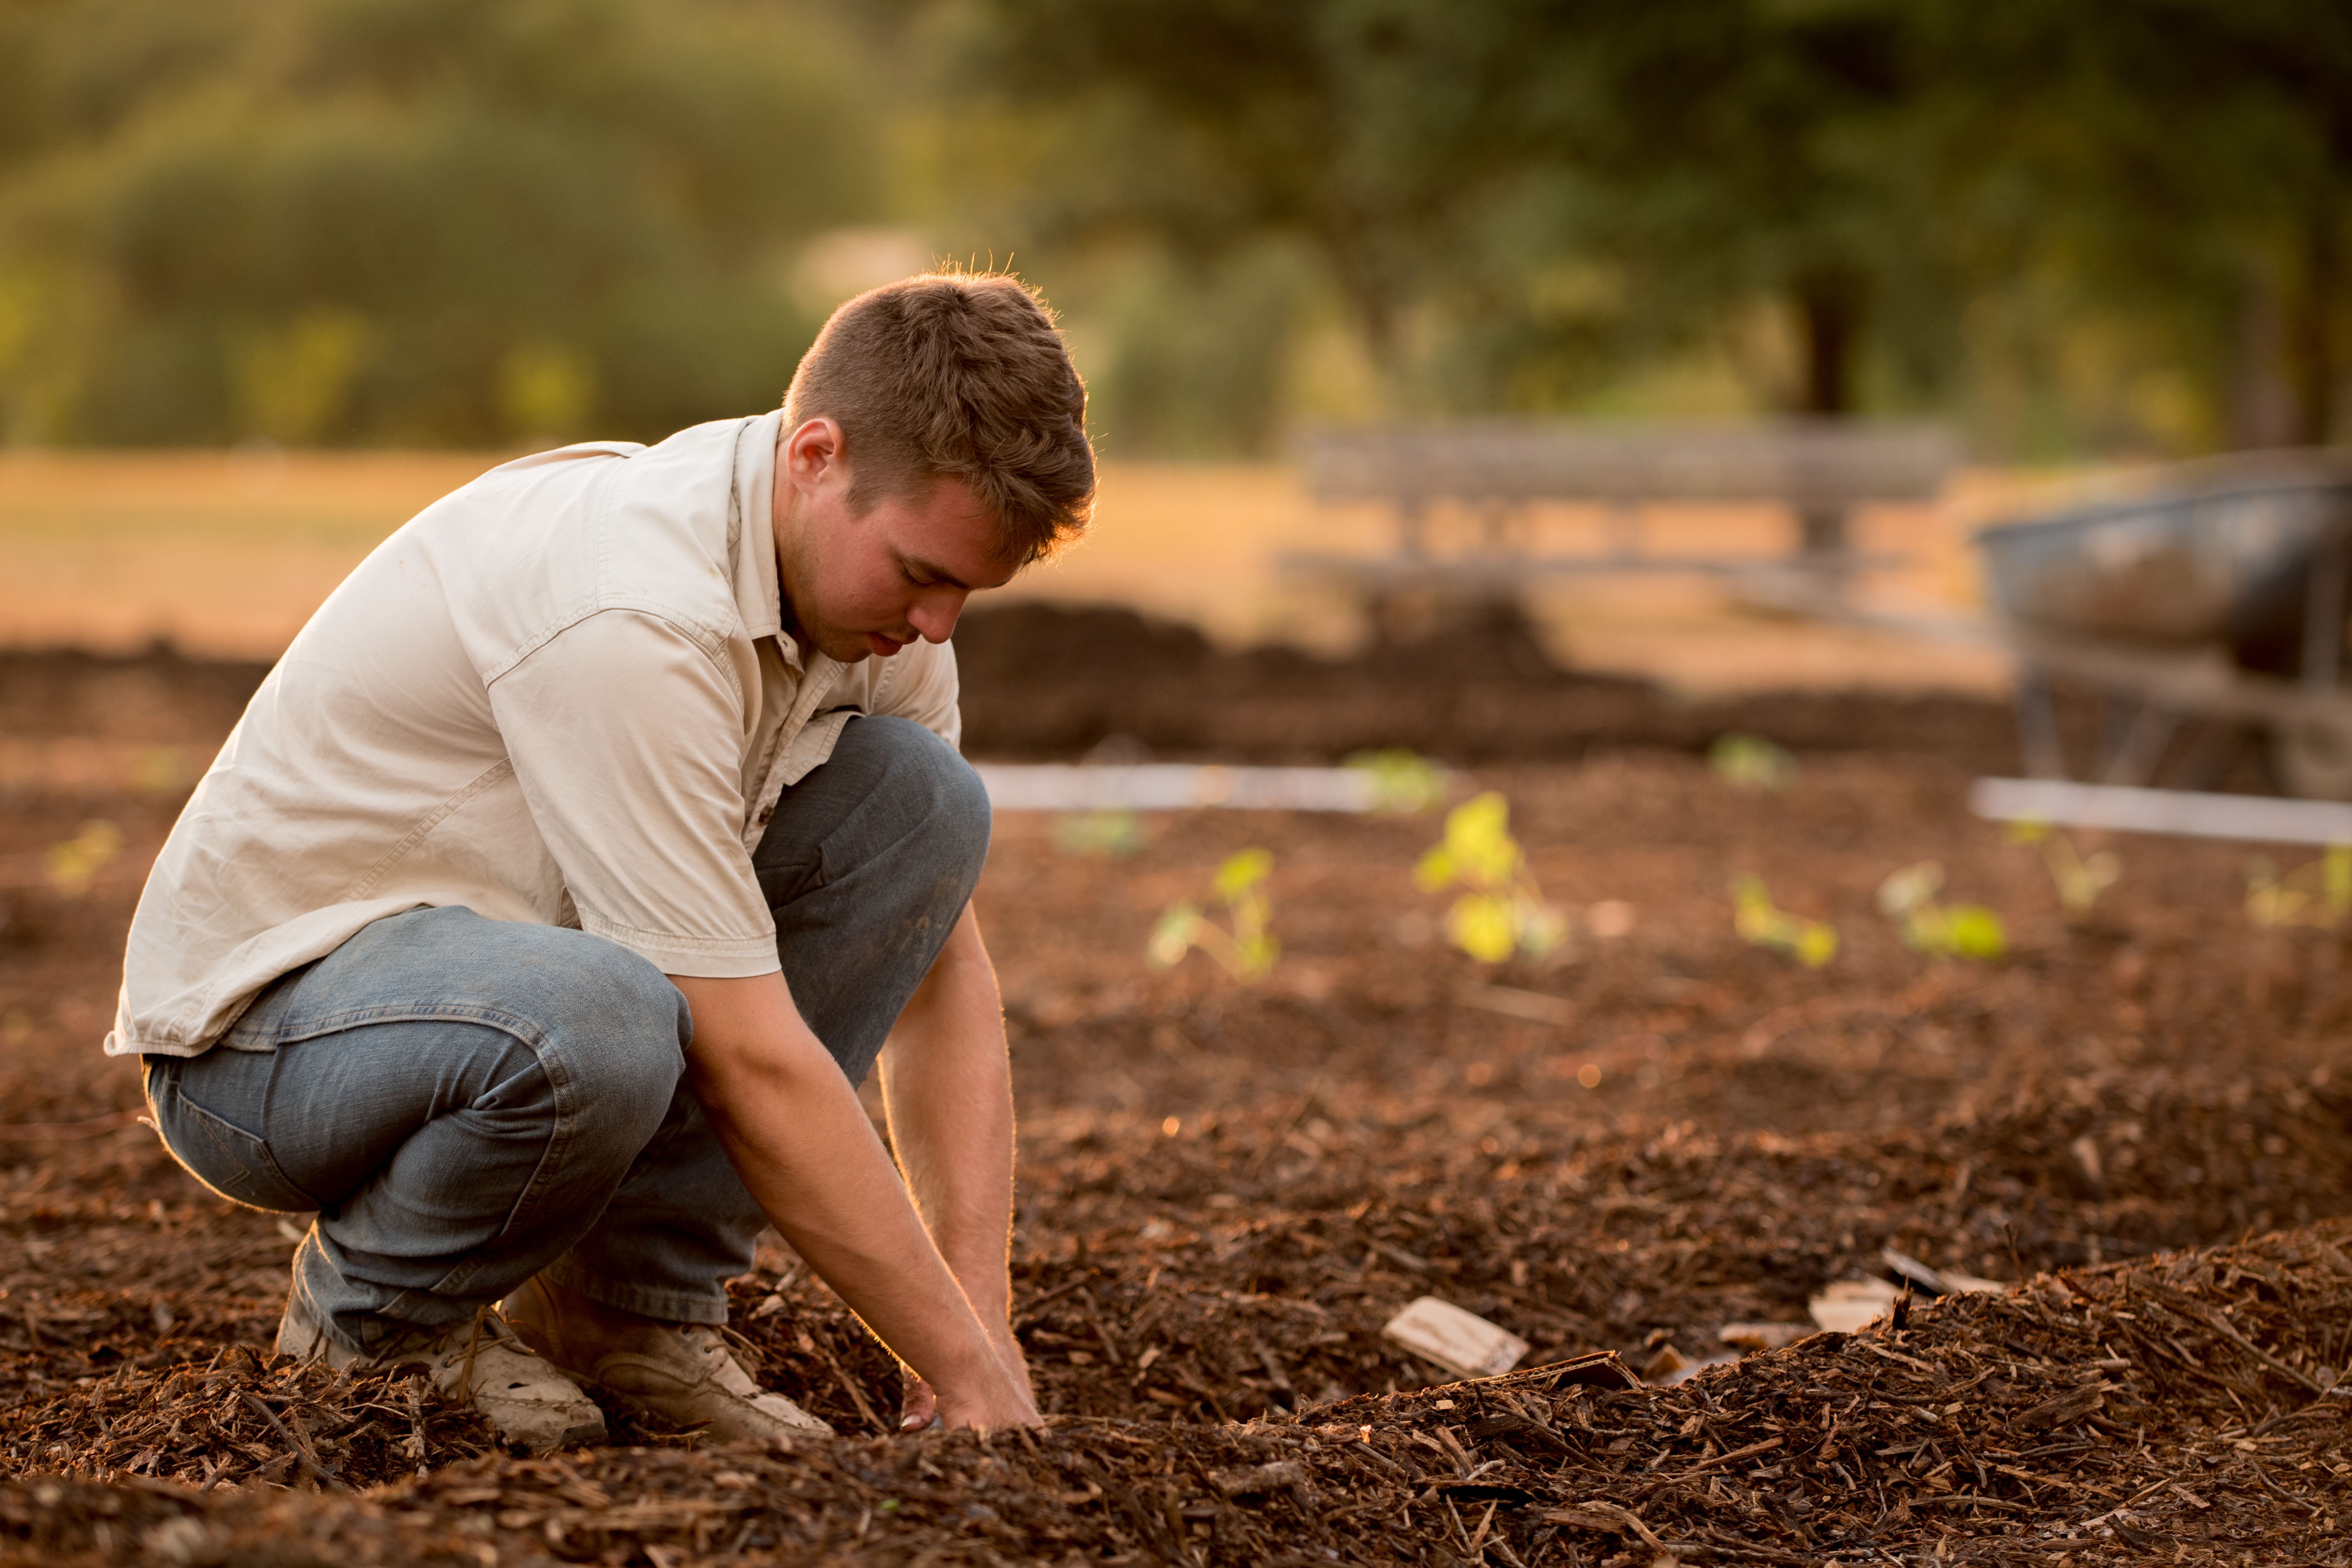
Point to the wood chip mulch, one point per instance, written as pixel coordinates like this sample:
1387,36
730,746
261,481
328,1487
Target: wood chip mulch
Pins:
2179,1409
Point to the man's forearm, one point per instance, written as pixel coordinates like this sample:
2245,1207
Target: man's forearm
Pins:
948,1093
791,1125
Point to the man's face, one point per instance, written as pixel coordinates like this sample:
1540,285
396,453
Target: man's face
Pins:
871,583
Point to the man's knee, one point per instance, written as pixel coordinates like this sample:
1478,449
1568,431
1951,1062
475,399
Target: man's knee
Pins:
925,781
603,1021
619,1025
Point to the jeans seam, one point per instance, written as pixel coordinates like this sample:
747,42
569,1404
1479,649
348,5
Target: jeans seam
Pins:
288,1032
564,1130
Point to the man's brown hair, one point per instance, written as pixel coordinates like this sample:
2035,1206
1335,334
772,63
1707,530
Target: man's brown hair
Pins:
957,375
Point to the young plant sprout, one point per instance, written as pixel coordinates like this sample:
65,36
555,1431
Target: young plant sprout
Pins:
1404,783
2079,879
1503,911
1111,833
1751,761
1811,942
2316,893
1247,950
1954,930
75,864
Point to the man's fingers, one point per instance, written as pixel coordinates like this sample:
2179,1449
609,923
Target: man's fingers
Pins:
920,1408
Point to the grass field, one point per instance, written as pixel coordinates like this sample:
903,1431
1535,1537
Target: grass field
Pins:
227,554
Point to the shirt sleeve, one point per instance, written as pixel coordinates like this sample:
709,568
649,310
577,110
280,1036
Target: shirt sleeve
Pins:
924,689
627,737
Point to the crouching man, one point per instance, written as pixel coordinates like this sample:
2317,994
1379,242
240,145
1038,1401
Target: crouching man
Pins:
542,915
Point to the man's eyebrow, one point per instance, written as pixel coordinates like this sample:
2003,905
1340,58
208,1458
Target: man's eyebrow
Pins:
936,572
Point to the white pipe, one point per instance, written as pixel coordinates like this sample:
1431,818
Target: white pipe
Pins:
2063,803
1176,786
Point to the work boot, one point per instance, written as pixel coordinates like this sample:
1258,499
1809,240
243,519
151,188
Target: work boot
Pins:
478,1360
683,1372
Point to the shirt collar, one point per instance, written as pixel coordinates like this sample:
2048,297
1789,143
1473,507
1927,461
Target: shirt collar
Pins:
759,595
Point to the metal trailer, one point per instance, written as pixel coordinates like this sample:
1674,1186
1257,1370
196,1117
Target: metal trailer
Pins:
2217,593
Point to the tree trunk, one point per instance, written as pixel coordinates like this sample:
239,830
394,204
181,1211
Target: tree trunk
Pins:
2311,352
1369,297
1829,306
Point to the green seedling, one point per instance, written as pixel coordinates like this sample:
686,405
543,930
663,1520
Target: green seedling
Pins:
1751,761
75,864
1952,930
1111,834
2079,879
1811,942
2316,893
1502,911
159,770
1404,783
1244,948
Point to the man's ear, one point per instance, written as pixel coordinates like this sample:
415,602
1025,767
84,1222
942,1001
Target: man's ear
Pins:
813,449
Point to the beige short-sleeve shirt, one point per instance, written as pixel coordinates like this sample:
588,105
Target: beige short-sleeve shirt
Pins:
561,694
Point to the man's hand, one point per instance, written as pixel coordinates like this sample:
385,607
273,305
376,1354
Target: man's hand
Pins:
791,1125
919,1404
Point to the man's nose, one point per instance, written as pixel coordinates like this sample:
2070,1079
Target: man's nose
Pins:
934,615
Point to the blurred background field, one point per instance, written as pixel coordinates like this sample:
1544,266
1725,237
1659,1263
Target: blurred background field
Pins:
225,554
274,273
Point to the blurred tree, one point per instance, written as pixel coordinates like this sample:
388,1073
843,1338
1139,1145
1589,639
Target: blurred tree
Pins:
2188,161
1739,150
412,220
1370,130
451,221
1543,182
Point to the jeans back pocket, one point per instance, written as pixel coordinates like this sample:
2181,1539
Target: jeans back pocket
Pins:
234,1162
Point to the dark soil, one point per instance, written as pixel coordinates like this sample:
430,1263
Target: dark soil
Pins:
1227,1190
1050,681
1043,679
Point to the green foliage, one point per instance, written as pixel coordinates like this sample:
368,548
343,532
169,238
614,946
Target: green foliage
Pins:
2070,224
1372,135
411,220
1245,947
1754,915
1907,896
2165,185
1503,913
1404,783
2066,225
1777,166
1111,833
2315,893
2079,879
1750,762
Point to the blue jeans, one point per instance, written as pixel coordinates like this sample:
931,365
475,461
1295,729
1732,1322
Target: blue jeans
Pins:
466,1102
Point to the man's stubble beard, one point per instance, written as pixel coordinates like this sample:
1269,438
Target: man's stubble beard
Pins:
793,563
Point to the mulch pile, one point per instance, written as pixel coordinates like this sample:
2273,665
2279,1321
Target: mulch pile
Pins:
238,1414
2185,1405
1204,1316
1052,681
